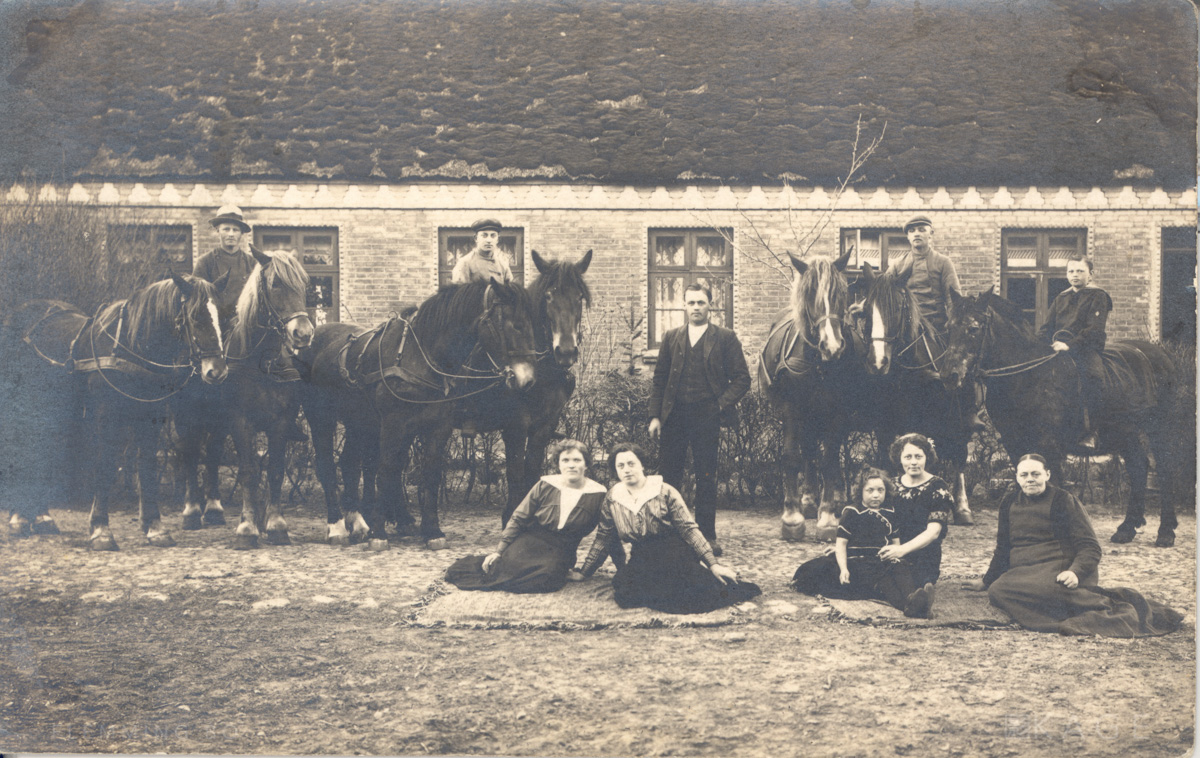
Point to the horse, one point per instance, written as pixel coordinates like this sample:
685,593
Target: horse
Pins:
527,419
812,375
904,350
261,395
401,379
125,363
1034,401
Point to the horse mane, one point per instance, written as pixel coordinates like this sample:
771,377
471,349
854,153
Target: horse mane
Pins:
157,303
822,280
456,305
891,296
561,274
1011,312
286,270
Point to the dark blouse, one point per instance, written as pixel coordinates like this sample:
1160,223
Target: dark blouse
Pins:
541,509
1054,519
918,507
866,530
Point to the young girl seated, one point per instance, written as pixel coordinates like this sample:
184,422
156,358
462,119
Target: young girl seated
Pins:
855,570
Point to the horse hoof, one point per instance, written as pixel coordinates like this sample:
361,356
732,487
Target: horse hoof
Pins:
192,522
963,518
1123,536
341,540
1165,540
793,532
377,545
103,544
438,543
161,539
278,537
214,518
245,541
19,526
44,525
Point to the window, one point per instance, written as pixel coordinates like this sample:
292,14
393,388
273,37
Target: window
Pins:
318,251
168,248
874,246
1178,301
681,257
1033,266
454,243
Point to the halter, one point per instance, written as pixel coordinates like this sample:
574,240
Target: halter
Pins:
275,321
922,337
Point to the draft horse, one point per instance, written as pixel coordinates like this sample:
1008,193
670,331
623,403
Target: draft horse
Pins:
401,379
1033,399
527,419
124,364
811,374
904,352
261,395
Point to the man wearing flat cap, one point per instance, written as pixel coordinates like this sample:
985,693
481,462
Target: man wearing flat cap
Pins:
485,261
227,258
933,276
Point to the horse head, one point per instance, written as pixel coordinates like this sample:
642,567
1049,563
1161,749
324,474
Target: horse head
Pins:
274,297
198,327
967,325
504,331
819,303
892,316
559,294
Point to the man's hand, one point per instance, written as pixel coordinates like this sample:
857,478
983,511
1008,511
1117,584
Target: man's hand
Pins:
1059,346
655,429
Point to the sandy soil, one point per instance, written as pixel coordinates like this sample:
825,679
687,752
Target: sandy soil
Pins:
308,649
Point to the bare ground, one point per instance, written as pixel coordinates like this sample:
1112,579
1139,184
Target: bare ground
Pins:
309,649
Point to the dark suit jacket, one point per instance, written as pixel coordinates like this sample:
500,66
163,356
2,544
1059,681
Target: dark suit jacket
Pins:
724,367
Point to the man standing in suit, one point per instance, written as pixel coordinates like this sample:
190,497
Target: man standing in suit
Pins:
699,378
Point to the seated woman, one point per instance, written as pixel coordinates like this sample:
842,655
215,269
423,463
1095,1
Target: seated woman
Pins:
854,571
538,546
671,566
924,507
1044,571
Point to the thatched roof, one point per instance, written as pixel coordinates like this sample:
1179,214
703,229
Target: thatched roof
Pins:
1071,92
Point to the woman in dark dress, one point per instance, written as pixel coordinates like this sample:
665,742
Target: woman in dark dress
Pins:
924,507
671,566
1044,571
538,546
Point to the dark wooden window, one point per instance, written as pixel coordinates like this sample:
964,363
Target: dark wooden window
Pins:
1178,300
1033,266
874,246
455,242
317,249
168,248
679,257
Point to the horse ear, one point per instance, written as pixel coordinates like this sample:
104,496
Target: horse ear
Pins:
800,265
584,262
868,273
539,261
955,298
904,272
840,263
222,282
263,259
186,287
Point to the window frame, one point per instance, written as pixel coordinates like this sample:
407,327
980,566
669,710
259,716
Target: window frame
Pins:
1042,273
516,264
332,313
131,232
1168,247
690,272
884,232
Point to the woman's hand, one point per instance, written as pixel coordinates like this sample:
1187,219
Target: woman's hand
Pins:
489,561
724,574
975,585
892,553
828,550
574,575
844,576
1068,580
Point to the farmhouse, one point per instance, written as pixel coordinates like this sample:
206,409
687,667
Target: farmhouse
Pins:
681,141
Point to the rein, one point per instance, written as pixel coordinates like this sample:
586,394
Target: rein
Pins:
1016,368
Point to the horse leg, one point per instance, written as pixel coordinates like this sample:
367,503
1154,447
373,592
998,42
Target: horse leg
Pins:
106,445
248,480
321,433
431,484
833,498
214,451
369,445
792,520
148,486
276,525
1166,465
1137,466
395,443
516,439
189,460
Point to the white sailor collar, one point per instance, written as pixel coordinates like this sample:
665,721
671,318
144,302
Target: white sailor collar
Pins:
652,489
589,484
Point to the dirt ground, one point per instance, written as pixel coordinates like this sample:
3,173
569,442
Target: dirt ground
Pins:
307,649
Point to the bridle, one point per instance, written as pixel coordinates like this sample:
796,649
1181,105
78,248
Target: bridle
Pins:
276,321
1003,371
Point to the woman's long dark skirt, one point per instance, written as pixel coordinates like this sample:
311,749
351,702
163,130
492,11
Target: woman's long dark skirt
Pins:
536,561
664,574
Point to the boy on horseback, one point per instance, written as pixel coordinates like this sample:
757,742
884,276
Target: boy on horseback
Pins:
1076,326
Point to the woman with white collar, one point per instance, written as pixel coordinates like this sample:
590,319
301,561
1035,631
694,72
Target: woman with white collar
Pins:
671,566
539,543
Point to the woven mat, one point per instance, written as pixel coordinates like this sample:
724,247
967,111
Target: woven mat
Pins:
953,606
579,605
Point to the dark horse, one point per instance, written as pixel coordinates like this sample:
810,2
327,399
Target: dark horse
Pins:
904,351
811,374
125,362
527,419
1033,399
259,396
402,379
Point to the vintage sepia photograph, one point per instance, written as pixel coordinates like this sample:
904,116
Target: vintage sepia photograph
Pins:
598,377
